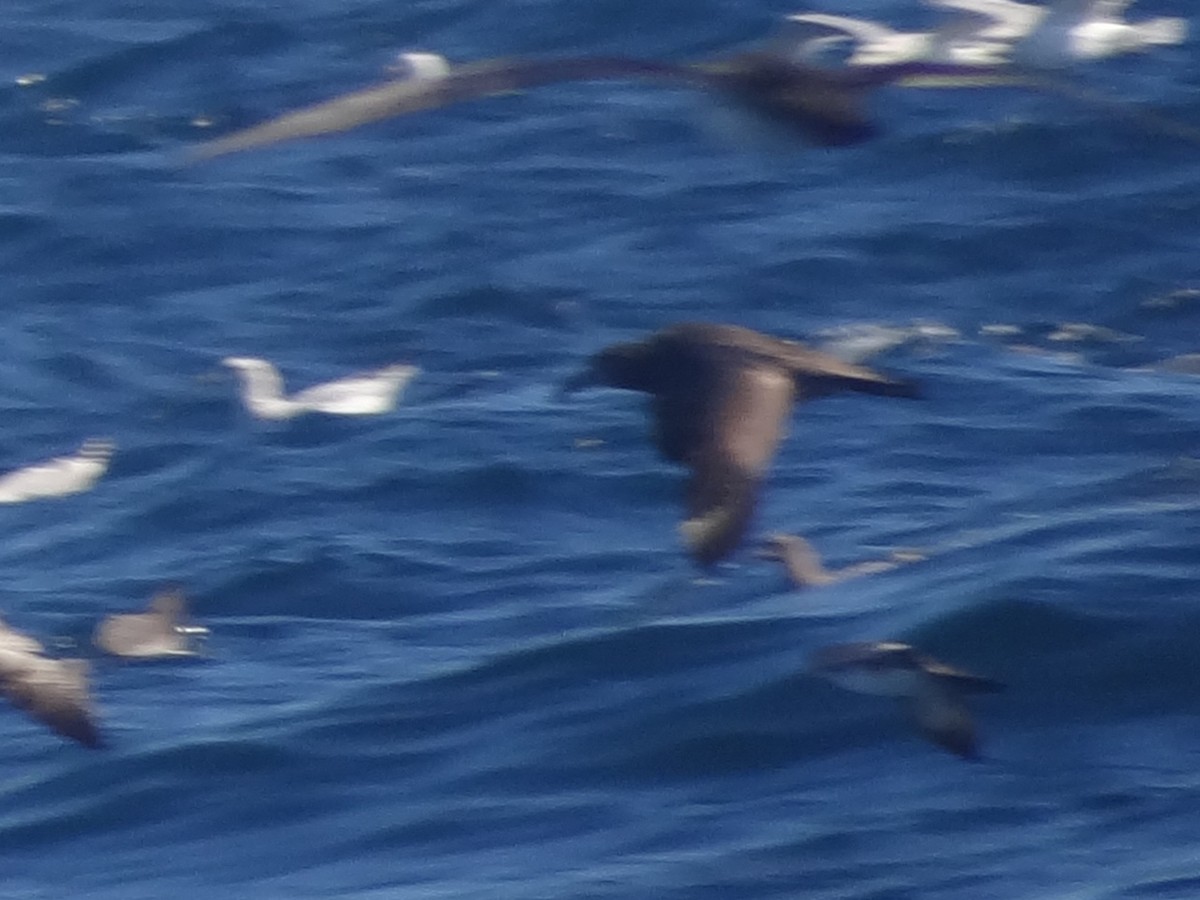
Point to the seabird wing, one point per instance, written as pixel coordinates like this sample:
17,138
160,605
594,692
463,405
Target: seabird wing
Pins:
370,392
942,717
170,606
14,643
474,81
817,372
50,690
745,419
128,634
803,25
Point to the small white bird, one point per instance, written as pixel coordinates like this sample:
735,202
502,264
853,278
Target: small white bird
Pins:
53,691
366,394
932,690
59,476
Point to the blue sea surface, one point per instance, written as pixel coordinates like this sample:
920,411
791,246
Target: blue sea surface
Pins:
457,650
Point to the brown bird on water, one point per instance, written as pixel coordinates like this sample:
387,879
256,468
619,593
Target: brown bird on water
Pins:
721,396
53,691
161,631
823,106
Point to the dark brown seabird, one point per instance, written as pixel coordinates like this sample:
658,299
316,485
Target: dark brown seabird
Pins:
932,690
823,106
721,399
161,631
53,691
805,569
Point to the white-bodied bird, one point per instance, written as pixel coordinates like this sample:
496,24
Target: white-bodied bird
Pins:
366,394
59,476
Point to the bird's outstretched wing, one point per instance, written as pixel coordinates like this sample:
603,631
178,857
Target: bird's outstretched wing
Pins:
815,372
743,421
53,691
941,716
472,81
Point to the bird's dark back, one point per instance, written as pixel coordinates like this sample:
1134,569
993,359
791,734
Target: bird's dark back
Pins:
825,110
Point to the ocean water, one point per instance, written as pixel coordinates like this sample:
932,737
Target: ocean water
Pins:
456,649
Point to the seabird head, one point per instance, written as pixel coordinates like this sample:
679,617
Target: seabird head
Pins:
627,365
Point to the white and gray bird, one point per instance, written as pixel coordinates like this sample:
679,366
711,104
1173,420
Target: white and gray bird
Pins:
59,476
368,393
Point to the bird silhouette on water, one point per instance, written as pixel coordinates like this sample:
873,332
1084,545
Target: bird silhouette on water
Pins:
721,397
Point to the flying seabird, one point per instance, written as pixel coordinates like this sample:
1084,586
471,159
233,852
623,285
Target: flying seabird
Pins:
721,399
875,44
161,631
1065,32
932,690
59,476
1074,30
53,691
825,106
805,569
368,393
